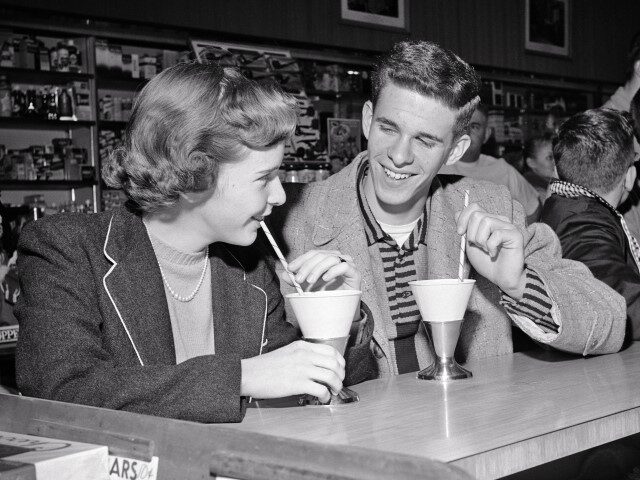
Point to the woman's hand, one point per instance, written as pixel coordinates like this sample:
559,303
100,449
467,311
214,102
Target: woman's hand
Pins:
324,270
294,369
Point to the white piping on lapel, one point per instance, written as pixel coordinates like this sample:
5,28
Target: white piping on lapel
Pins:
104,283
263,341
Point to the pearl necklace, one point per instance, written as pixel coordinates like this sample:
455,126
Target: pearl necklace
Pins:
190,297
173,293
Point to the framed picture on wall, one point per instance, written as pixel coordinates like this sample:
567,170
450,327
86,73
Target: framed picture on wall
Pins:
393,14
547,26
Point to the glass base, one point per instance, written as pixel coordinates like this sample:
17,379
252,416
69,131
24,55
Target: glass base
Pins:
346,395
444,369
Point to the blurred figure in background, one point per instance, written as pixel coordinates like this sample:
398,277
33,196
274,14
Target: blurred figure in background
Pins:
621,99
540,168
475,164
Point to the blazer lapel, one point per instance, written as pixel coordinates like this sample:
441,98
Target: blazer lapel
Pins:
137,290
237,306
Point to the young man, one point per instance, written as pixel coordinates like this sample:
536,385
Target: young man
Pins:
399,222
594,156
477,165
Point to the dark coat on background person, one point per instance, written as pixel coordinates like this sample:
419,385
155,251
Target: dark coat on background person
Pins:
93,309
592,234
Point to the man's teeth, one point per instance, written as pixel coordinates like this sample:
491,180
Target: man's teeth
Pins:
396,176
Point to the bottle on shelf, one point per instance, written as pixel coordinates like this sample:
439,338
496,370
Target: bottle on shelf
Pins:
291,173
5,97
52,104
31,103
65,111
18,99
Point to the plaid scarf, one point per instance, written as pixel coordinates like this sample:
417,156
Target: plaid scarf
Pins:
571,190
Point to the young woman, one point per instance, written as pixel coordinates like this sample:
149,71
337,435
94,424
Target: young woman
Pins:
168,307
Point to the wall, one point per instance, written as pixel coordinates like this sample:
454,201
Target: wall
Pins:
484,32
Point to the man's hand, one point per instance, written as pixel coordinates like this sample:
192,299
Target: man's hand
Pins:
318,269
294,369
495,248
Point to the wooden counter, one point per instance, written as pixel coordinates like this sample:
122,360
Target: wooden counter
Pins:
517,411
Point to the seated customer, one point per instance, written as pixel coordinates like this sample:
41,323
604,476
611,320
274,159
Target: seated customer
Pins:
540,168
594,157
401,221
165,307
477,165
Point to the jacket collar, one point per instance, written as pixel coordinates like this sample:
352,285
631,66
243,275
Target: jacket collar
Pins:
338,203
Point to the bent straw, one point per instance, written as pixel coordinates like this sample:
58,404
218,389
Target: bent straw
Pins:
280,256
463,241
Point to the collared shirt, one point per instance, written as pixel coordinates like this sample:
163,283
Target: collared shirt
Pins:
400,268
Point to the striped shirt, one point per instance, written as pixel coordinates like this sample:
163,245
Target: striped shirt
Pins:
399,269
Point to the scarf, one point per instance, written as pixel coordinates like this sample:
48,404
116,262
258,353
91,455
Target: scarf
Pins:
571,190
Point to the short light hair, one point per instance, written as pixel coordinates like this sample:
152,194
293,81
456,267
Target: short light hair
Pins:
432,71
185,122
594,149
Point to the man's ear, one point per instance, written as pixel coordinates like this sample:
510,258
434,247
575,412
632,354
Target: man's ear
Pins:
487,134
630,178
367,116
529,162
458,149
636,68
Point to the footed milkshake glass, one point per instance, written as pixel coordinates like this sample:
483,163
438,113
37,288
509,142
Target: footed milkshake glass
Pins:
442,303
326,317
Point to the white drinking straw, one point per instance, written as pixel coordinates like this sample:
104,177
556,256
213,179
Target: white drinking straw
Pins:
280,256
463,241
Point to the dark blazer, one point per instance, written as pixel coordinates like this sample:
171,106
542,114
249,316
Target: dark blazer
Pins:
592,234
95,327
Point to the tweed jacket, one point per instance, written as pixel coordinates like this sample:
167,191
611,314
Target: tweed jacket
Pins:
326,215
95,326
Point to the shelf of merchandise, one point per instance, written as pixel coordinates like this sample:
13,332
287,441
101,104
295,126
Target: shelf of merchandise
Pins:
45,184
27,75
21,126
41,123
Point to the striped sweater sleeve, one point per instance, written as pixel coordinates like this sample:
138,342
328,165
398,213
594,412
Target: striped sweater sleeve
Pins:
535,304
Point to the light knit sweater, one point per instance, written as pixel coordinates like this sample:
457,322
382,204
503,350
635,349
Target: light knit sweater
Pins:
192,321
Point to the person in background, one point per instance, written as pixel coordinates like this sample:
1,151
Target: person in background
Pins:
594,157
621,99
477,165
540,167
169,306
401,221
